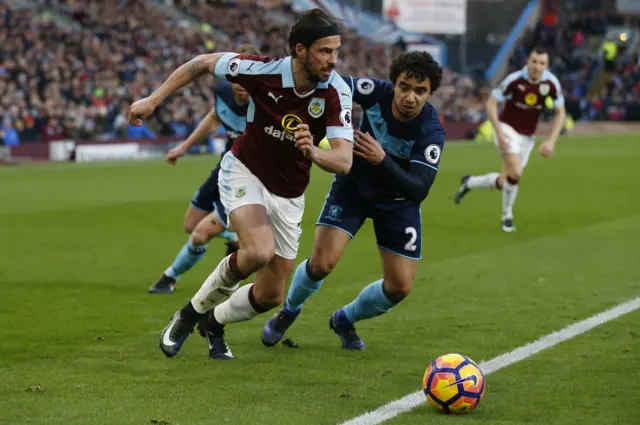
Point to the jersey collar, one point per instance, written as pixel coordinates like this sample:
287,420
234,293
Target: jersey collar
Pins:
525,75
287,77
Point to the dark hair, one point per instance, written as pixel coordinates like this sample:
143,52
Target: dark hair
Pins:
419,65
306,25
539,50
248,49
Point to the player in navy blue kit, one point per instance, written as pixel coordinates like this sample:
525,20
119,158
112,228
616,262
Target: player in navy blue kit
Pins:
397,154
205,217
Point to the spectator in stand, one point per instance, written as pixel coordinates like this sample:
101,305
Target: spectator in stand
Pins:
52,130
9,134
139,132
124,49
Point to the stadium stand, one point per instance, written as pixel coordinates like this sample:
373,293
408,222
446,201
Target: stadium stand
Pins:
70,68
76,81
595,88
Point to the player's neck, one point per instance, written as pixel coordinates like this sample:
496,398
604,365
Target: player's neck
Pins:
301,79
533,80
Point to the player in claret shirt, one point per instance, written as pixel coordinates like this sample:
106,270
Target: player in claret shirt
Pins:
295,102
525,95
397,151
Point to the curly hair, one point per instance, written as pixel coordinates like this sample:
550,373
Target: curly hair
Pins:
419,65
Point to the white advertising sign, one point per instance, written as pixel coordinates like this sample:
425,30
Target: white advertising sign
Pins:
428,16
107,152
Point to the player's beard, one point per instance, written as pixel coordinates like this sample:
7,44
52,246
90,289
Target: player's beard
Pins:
313,75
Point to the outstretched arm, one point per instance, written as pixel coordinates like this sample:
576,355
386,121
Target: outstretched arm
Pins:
195,68
205,128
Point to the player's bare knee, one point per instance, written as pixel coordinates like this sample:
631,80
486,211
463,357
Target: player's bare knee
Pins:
271,300
320,267
323,261
188,227
199,236
259,255
269,297
397,289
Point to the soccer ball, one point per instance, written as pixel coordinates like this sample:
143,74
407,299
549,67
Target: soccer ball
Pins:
324,144
453,383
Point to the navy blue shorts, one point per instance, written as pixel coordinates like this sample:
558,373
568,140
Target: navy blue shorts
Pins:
207,197
397,223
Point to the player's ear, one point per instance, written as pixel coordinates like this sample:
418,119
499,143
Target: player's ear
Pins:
301,50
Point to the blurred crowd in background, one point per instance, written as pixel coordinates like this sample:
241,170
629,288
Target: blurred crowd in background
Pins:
59,81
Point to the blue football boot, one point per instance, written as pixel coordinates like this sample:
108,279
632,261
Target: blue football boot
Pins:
276,327
346,331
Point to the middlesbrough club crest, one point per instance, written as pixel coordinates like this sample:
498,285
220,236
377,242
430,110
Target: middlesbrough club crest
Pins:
334,213
544,89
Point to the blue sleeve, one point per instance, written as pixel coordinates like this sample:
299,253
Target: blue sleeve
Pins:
506,88
147,133
425,159
224,67
339,105
246,70
427,152
11,137
367,91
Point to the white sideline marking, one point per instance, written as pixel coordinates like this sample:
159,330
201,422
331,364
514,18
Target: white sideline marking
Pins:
413,400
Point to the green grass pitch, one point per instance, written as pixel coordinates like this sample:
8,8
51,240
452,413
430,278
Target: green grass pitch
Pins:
80,245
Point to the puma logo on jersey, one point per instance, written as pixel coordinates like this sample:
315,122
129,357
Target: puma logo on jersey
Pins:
273,96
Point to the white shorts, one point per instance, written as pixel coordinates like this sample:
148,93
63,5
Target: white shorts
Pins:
239,187
518,144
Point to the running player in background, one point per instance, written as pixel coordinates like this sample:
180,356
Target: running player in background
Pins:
524,94
203,218
295,102
397,156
